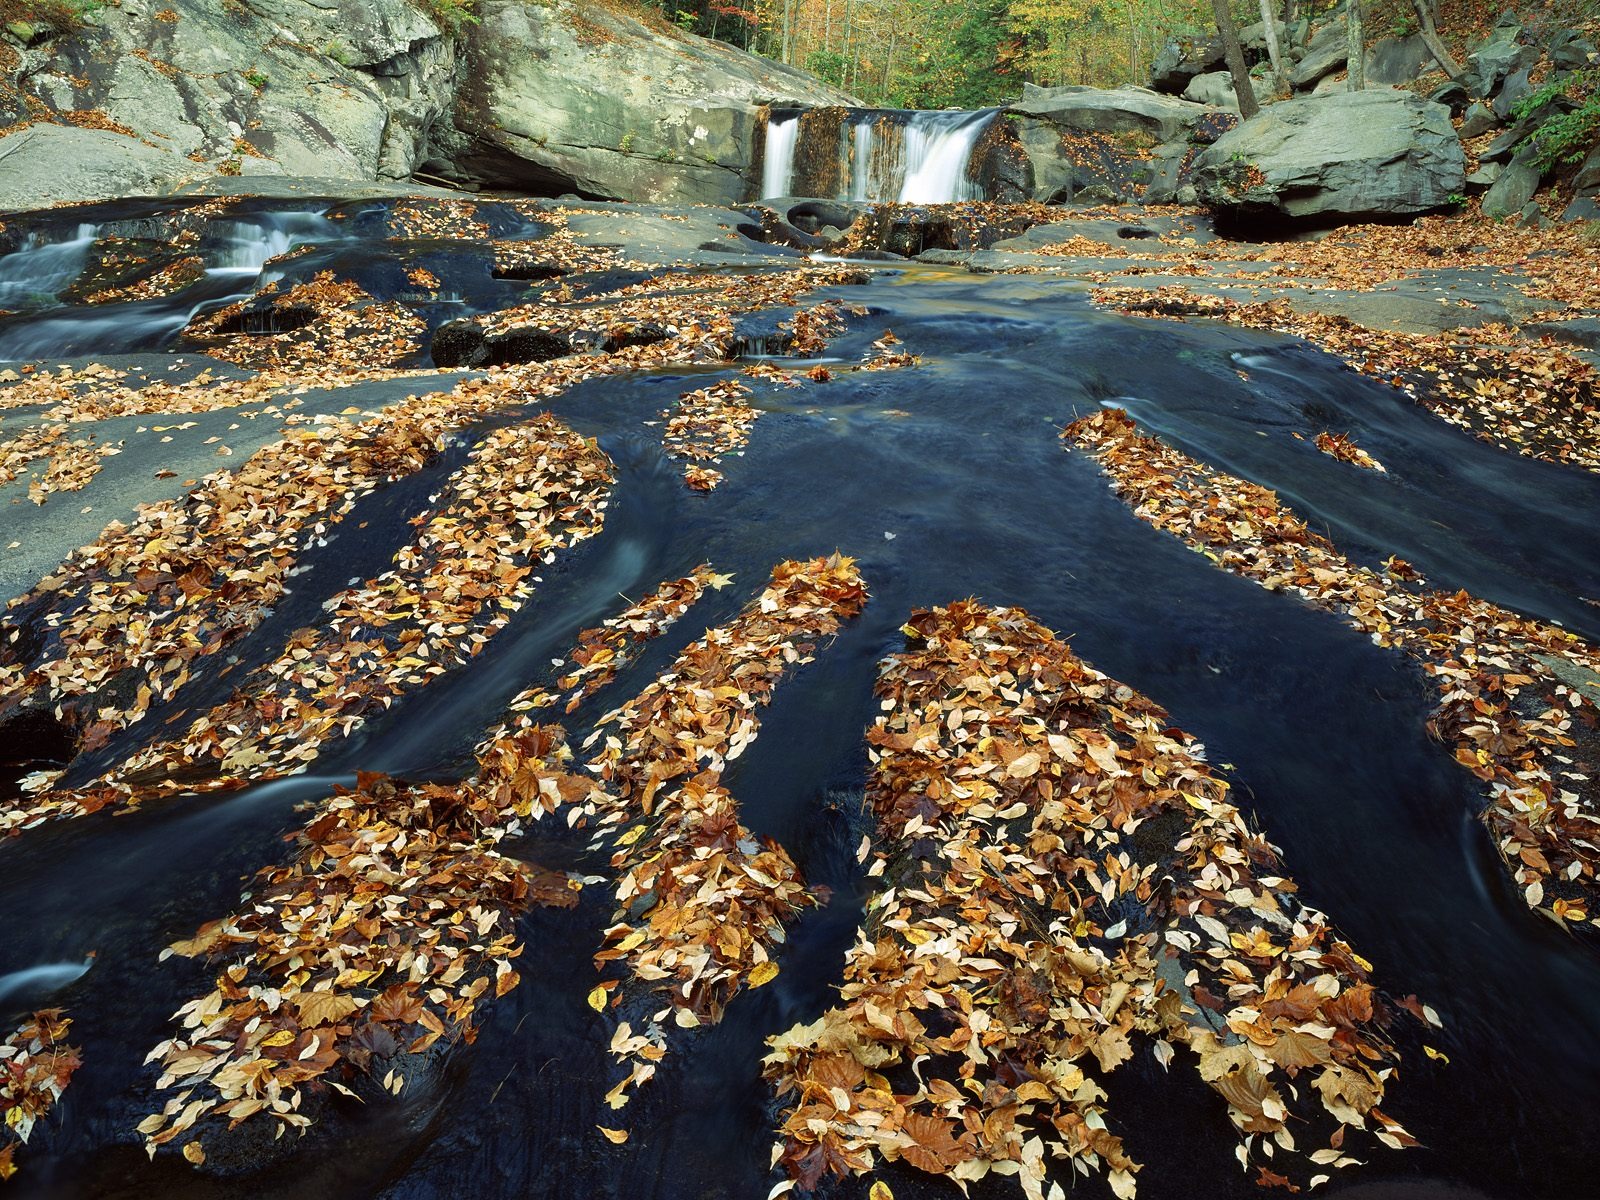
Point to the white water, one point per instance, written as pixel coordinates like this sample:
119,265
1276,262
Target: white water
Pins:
35,983
926,164
33,273
938,148
247,245
777,167
861,159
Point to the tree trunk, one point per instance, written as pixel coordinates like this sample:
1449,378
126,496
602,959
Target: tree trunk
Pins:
1430,38
1355,46
1235,55
1280,78
786,46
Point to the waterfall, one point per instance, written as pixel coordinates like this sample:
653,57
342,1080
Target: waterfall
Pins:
32,274
874,154
938,150
245,246
777,168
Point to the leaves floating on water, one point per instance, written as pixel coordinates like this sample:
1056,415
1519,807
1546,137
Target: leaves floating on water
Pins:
1513,697
1063,873
701,900
36,1065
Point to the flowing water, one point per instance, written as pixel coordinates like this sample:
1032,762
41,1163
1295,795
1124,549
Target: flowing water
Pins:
235,254
945,480
915,157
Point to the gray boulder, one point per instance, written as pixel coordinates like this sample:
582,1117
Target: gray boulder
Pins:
1216,89
1570,51
289,87
1483,178
1498,57
1123,110
1513,89
1479,120
1347,156
50,164
1397,60
1513,188
1326,54
1585,204
1181,60
631,113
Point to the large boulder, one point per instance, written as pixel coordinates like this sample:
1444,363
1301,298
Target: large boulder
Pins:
1216,89
1123,110
1181,60
1327,53
1513,187
1353,155
1501,55
565,97
42,165
345,88
1397,60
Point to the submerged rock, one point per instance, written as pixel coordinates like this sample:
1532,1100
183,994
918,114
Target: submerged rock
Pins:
1353,155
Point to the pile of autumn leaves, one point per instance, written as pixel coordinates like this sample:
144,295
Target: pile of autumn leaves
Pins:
1063,874
1504,704
36,1065
393,920
1537,401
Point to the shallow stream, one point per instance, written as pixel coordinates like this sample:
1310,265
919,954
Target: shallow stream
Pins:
944,480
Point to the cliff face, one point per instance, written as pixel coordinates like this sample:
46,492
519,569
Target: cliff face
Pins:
549,97
569,97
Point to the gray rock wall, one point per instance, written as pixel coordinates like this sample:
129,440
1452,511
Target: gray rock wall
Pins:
549,97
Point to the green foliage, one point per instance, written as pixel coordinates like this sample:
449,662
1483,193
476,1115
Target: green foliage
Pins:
1565,137
60,16
339,53
256,79
626,144
453,16
828,65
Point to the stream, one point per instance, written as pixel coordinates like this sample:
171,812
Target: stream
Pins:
944,480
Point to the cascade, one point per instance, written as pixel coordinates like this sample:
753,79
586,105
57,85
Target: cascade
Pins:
247,245
32,274
874,154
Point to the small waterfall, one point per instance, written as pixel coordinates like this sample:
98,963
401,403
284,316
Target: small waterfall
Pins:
777,167
938,151
874,154
33,274
245,246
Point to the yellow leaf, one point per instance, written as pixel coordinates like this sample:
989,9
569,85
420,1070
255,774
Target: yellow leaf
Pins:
597,999
880,1191
282,1038
1438,1054
195,1153
615,1136
763,973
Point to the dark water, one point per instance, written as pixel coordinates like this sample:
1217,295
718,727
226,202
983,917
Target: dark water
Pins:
959,461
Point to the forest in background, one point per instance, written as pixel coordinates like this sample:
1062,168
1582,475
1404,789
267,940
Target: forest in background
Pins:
973,53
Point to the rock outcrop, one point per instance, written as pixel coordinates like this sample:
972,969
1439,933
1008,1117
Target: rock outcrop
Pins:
1345,156
595,102
551,97
1109,144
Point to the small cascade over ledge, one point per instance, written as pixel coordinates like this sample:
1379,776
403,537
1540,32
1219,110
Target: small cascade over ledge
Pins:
866,154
